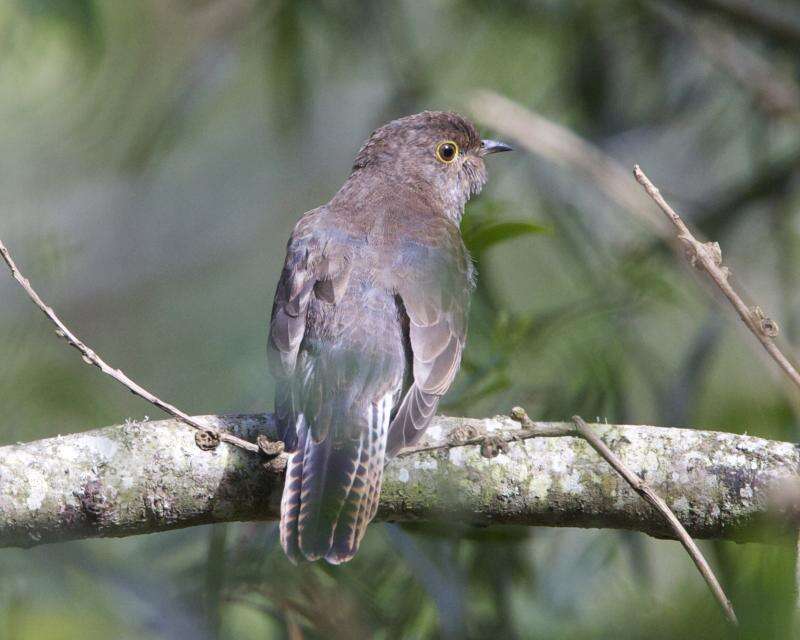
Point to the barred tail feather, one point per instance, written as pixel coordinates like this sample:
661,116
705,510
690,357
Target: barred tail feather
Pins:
361,503
332,489
290,500
328,475
376,471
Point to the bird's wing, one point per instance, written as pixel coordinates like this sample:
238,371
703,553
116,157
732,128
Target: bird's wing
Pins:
434,281
308,271
336,386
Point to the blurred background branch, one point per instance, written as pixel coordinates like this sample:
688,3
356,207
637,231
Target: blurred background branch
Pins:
775,91
776,20
561,146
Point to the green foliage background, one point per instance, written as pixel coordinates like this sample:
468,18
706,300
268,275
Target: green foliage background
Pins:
154,156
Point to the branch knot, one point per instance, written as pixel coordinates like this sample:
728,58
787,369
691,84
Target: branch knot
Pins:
270,448
207,440
698,252
463,433
765,324
493,445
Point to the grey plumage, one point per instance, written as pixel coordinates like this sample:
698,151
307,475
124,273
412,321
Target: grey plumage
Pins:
369,323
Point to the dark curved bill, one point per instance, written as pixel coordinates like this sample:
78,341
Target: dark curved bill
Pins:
493,146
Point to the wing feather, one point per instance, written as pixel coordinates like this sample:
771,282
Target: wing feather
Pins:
435,285
312,269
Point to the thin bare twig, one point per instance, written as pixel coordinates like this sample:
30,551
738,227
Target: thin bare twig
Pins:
494,443
644,490
708,257
210,435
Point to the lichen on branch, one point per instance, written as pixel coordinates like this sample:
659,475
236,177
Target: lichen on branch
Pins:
140,478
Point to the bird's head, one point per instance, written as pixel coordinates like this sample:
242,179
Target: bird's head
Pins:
437,153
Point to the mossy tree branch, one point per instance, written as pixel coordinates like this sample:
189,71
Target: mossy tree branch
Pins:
140,478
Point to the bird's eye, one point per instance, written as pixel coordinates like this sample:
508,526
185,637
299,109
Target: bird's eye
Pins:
446,151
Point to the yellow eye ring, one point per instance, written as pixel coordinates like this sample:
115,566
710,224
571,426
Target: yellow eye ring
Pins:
446,151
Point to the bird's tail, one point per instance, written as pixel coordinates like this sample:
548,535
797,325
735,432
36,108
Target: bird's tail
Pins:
332,488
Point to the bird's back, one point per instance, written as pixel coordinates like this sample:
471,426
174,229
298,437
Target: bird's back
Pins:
352,367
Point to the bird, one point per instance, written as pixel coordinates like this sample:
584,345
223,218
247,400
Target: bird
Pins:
369,322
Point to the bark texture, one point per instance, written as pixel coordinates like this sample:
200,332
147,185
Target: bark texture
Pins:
139,478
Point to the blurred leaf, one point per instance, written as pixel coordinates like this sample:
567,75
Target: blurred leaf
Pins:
479,239
80,16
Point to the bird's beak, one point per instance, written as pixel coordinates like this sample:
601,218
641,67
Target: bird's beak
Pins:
493,146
